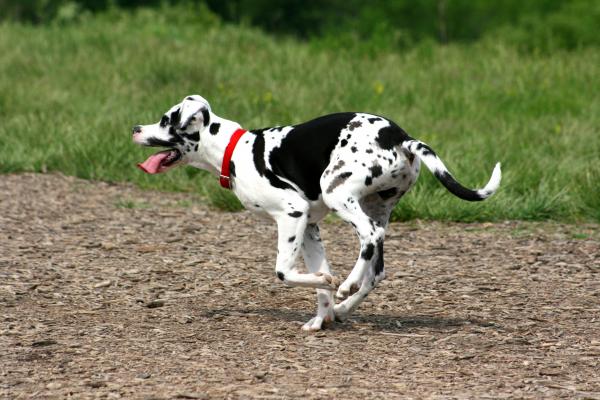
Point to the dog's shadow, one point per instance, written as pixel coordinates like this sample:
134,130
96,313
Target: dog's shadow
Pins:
378,322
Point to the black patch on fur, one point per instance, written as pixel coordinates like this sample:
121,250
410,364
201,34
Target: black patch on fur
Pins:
192,136
295,214
174,137
258,152
354,124
368,181
354,149
164,121
337,166
214,128
391,136
159,143
343,143
291,239
281,276
259,131
231,168
306,150
369,151
367,253
205,116
456,188
373,120
338,180
196,147
174,117
378,264
426,150
376,170
388,193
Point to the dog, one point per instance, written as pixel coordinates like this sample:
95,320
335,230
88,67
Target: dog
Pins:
356,165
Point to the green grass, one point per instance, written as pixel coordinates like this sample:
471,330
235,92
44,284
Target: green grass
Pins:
70,94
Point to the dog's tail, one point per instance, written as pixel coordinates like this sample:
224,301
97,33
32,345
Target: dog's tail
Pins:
437,168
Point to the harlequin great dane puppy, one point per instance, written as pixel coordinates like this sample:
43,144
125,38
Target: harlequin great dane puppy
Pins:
355,164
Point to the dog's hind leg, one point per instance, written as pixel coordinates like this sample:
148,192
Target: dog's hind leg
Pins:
370,233
369,215
315,260
291,226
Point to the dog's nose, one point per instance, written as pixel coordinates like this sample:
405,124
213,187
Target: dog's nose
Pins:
136,129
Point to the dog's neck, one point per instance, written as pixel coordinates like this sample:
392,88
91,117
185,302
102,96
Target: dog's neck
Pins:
212,145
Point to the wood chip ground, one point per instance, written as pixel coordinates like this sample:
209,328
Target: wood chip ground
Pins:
107,291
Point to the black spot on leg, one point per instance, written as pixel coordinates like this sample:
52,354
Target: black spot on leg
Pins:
292,238
369,151
378,264
295,214
214,128
388,193
367,253
281,276
196,147
354,149
372,223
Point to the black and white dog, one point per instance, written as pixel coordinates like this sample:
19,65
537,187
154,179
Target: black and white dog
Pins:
354,164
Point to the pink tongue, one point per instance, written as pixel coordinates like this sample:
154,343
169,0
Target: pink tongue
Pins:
153,163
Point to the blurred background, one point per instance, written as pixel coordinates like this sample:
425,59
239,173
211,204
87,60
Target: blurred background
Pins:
480,81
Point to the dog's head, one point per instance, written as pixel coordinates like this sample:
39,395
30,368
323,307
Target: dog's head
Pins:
178,131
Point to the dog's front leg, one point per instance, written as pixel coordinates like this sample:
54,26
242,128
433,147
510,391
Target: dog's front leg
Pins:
315,260
291,227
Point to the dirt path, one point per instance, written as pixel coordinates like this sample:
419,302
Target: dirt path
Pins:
107,291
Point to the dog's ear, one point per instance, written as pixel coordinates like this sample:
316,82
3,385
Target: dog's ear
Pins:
195,110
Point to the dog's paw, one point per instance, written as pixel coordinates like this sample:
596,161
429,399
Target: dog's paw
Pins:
329,281
347,289
318,323
341,312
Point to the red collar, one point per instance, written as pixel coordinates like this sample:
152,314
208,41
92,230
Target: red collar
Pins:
225,179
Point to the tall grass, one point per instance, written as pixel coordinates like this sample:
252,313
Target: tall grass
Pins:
69,95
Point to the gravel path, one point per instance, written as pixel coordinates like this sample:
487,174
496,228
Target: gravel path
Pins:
107,291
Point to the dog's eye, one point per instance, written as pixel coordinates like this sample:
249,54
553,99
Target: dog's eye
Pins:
164,121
